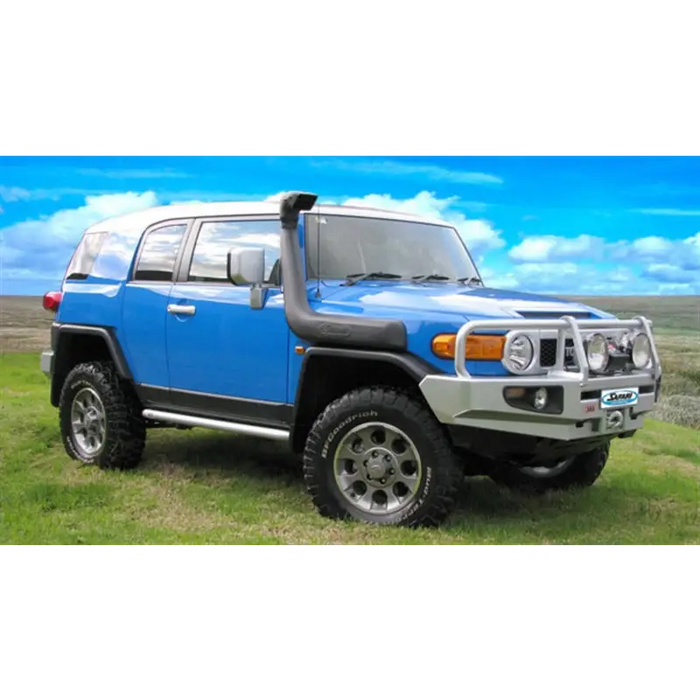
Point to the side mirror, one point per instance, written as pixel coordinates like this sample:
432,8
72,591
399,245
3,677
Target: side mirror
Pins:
246,266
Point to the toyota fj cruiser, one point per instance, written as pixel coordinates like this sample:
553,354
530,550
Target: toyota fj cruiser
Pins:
365,339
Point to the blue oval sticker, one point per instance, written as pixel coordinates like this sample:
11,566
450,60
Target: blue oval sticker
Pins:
615,398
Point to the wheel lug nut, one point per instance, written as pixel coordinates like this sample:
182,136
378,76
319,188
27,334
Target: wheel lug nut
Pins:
383,481
374,454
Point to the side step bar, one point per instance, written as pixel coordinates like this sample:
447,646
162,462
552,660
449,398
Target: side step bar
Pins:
197,422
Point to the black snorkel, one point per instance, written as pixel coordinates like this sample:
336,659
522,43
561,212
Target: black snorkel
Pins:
325,329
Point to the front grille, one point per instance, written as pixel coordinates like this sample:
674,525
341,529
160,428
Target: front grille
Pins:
548,352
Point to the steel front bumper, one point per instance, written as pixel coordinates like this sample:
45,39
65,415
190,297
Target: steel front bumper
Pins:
480,403
46,362
577,413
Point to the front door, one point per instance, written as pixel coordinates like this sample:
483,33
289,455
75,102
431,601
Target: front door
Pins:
225,358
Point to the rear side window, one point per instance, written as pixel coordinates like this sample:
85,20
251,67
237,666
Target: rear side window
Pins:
158,255
85,255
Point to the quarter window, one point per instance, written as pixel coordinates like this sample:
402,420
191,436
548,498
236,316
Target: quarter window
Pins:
159,253
216,238
85,255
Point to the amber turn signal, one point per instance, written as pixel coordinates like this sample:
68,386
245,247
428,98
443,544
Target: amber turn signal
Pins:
479,347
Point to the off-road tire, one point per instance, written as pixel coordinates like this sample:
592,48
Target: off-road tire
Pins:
441,469
583,471
125,434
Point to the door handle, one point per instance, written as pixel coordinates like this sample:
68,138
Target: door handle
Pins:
179,310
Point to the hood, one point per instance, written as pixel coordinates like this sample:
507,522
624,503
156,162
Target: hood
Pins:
470,302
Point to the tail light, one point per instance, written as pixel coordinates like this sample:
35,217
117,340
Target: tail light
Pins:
52,300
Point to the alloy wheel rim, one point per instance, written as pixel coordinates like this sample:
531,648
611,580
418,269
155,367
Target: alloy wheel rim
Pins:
377,468
88,421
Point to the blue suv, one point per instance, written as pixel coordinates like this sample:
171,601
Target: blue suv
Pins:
364,339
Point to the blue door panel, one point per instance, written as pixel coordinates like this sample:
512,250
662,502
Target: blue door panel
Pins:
226,348
144,314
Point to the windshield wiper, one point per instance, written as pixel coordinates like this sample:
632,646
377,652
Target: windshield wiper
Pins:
359,276
469,280
429,278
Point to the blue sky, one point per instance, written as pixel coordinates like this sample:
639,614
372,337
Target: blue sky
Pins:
554,225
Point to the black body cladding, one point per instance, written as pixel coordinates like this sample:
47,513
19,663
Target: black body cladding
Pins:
337,330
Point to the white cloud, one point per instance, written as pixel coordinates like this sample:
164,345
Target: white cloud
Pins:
45,244
478,234
692,246
669,212
70,223
650,250
651,246
549,270
499,280
133,173
391,168
16,194
13,194
670,273
547,248
570,279
185,202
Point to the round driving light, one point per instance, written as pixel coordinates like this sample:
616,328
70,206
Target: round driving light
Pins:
539,400
597,352
519,353
641,351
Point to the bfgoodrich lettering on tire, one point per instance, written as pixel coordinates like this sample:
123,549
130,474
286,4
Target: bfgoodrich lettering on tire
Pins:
378,455
100,418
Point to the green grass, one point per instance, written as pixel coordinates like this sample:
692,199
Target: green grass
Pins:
206,487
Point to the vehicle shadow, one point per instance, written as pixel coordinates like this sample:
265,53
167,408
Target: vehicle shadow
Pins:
216,453
229,457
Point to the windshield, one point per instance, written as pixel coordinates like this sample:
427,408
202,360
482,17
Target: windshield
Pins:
355,246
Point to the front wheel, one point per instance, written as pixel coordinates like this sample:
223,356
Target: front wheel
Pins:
378,455
574,472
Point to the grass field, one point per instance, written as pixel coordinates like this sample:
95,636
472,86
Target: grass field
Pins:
200,486
205,487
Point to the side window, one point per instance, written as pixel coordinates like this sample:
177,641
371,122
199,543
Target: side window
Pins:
156,261
216,238
85,255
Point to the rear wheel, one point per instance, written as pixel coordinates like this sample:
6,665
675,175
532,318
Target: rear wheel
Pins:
574,472
100,418
378,455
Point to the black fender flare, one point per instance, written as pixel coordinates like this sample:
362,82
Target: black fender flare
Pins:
60,365
413,366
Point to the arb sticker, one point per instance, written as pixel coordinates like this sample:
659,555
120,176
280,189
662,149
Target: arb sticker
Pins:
619,397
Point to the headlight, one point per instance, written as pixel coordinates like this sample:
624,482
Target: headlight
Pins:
641,351
597,352
519,353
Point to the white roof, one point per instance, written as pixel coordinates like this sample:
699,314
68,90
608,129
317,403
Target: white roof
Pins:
140,220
